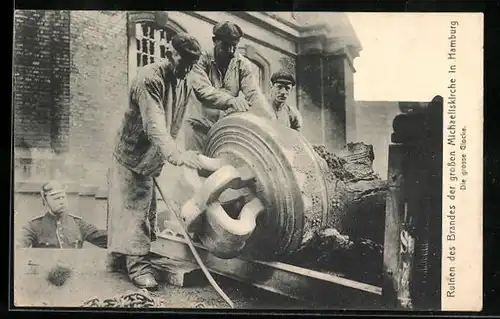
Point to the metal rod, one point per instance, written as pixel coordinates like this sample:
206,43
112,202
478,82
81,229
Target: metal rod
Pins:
211,280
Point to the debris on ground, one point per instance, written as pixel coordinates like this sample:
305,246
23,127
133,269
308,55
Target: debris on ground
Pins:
58,275
134,299
356,194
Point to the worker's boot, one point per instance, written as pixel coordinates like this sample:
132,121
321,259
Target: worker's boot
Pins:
141,272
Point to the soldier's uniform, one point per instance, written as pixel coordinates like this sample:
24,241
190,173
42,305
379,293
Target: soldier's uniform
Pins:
65,231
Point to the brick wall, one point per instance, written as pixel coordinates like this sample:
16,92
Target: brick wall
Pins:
41,79
98,89
93,82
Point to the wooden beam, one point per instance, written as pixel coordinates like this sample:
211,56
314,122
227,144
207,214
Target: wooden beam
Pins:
179,273
280,278
398,240
412,245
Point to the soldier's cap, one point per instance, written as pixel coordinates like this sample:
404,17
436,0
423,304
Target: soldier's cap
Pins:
227,32
52,188
187,46
283,77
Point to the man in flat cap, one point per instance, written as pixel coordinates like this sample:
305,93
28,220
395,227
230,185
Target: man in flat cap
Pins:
282,83
57,228
146,140
218,79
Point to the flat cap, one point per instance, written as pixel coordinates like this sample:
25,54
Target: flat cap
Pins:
227,31
187,46
284,77
52,187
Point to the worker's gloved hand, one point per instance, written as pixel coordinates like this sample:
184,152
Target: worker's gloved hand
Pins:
237,104
189,158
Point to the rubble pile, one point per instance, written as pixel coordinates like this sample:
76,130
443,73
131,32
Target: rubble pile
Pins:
355,229
334,163
58,275
356,193
131,299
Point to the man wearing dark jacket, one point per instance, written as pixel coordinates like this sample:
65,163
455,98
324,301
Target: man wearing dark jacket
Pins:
218,79
146,140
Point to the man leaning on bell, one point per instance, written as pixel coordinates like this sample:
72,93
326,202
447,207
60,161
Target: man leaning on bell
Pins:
223,82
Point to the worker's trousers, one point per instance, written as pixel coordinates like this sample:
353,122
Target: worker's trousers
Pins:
131,216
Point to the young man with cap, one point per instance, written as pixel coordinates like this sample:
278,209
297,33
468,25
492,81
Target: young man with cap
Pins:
57,228
282,83
218,79
146,140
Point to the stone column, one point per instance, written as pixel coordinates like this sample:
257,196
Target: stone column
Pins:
326,90
339,90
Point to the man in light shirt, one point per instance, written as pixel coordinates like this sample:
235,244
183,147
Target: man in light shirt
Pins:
282,83
223,82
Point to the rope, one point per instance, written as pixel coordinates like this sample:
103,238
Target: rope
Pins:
211,280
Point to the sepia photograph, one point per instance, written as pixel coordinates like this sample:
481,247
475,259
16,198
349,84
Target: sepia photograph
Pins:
247,160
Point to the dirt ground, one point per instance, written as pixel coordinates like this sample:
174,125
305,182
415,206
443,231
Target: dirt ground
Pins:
89,280
243,297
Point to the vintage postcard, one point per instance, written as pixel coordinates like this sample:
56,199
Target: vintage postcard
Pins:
247,160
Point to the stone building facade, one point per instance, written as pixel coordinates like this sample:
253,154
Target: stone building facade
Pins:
72,71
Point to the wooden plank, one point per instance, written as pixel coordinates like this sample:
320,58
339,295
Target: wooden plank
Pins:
414,204
398,241
179,273
287,280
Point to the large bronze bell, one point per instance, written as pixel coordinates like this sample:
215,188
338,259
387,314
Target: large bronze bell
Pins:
205,213
266,194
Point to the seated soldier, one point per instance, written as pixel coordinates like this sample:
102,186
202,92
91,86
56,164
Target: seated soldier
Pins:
57,228
282,83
